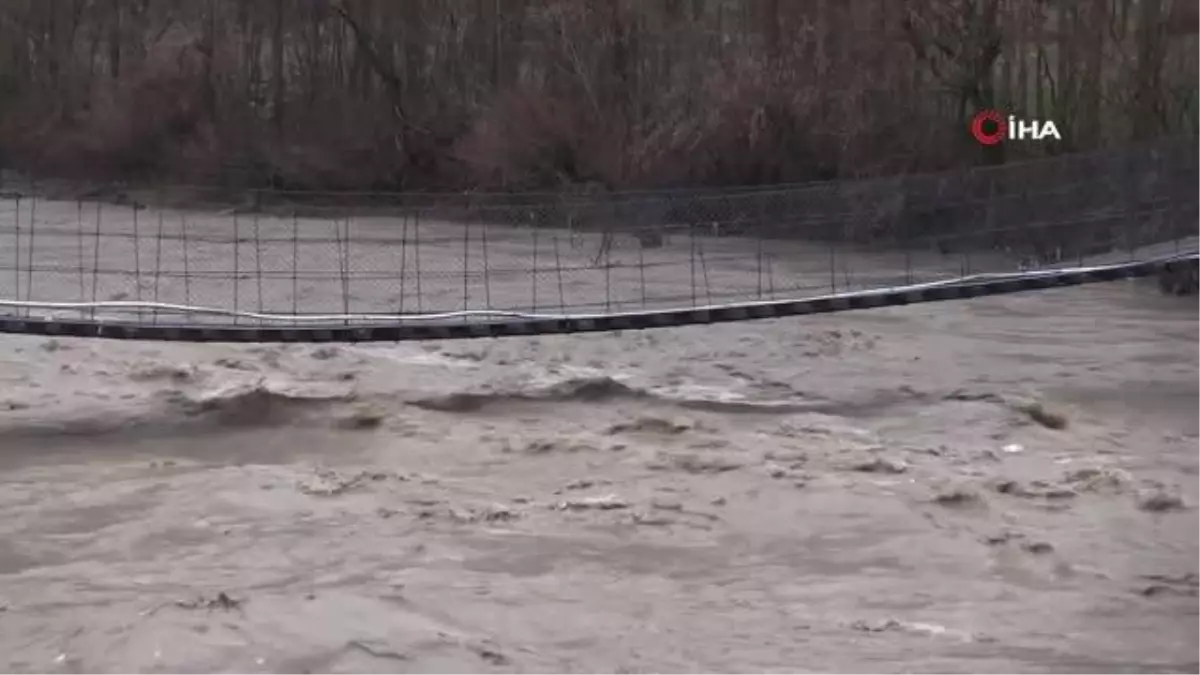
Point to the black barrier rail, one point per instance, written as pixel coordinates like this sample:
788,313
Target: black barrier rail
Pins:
525,327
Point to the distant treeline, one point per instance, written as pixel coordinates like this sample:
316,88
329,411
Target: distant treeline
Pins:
557,94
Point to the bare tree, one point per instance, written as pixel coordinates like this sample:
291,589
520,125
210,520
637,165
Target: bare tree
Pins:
415,93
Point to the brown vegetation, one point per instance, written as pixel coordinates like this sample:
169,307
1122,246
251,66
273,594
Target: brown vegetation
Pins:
521,94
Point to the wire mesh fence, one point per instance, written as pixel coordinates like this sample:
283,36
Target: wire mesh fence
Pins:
211,256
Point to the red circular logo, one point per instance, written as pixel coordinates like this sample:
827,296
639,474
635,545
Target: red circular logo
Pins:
988,127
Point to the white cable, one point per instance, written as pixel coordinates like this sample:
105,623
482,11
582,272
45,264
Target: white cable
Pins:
498,314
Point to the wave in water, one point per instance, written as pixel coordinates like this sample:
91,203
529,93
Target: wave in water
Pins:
257,403
604,389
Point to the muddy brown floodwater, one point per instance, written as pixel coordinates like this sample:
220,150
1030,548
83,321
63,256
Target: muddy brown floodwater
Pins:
1004,484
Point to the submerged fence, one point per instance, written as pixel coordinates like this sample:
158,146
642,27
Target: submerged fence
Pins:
209,264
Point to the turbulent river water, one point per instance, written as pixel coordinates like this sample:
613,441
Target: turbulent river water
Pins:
1004,484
